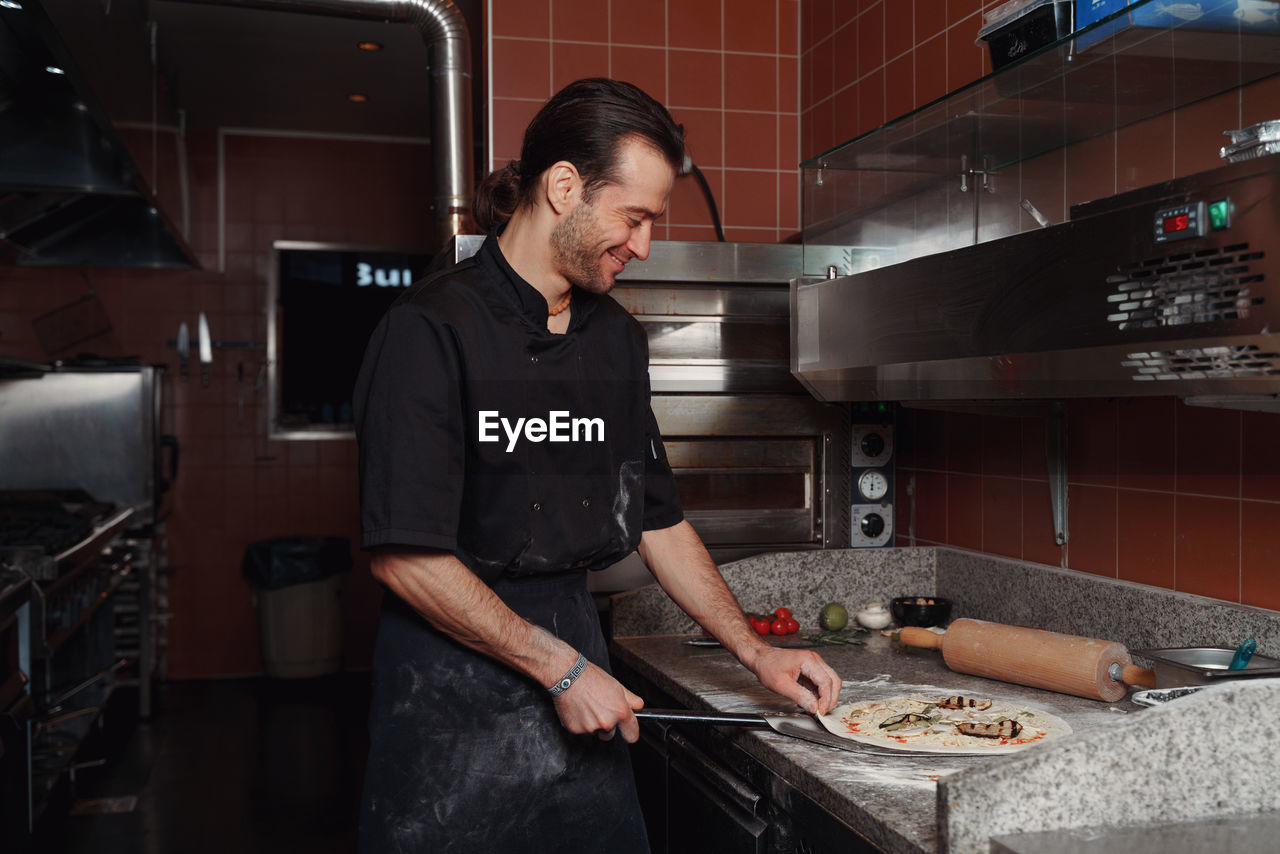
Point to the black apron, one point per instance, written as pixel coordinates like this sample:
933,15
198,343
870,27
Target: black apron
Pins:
468,755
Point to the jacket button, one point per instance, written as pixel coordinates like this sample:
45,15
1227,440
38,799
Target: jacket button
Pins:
586,502
537,506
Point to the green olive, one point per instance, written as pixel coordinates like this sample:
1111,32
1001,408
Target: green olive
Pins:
833,617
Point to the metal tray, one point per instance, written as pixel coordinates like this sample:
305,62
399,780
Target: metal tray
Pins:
1253,141
1202,665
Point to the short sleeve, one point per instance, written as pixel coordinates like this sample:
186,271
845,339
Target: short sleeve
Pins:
661,500
410,432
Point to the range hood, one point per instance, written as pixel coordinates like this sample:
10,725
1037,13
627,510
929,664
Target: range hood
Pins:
70,191
1172,289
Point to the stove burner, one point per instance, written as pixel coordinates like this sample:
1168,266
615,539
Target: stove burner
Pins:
52,520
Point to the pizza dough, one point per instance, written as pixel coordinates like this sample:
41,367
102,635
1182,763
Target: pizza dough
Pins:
924,724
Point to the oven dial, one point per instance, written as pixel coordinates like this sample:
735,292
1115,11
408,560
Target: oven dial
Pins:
873,485
872,525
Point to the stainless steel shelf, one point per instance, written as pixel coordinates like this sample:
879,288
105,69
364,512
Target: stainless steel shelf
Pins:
1061,94
1091,83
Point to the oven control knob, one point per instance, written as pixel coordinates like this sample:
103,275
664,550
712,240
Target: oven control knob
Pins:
872,525
872,445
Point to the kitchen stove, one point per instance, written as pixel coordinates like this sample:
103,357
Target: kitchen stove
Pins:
51,520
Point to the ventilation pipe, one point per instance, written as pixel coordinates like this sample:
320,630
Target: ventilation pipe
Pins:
449,56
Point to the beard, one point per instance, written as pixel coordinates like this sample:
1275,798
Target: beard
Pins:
573,241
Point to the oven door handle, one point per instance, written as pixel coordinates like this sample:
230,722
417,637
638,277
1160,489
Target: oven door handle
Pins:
171,442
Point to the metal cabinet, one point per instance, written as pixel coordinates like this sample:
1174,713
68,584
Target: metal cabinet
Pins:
702,793
710,809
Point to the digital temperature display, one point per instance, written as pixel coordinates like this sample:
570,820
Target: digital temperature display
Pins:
1180,223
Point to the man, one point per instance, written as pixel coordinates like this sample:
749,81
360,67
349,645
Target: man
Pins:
507,447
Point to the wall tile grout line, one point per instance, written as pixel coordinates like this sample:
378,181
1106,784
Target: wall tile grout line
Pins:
1176,421
489,97
708,51
666,82
528,100
724,202
777,125
1240,513
1090,484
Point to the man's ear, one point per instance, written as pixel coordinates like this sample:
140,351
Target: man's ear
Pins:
563,186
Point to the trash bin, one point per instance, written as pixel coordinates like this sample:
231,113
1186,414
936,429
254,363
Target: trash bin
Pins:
298,582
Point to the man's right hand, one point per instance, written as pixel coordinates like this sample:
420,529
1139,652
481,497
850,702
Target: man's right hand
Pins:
598,703
459,604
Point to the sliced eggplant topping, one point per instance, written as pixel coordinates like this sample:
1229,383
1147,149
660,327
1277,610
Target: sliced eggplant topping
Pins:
1007,728
964,703
900,721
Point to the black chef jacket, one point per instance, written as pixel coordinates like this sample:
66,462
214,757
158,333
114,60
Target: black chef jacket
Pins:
533,457
521,451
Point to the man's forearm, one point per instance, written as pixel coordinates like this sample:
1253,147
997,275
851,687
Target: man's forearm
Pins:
449,596
680,563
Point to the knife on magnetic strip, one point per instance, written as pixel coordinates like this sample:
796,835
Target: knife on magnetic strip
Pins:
206,348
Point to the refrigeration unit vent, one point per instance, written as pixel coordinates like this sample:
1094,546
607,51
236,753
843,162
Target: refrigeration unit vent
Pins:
1192,287
1236,362
1176,282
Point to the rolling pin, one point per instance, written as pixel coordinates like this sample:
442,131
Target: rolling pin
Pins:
1095,669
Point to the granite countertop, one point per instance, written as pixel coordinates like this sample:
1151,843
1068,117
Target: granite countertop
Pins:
1128,767
890,800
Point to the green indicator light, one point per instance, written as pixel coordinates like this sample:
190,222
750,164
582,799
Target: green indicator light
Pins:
1219,214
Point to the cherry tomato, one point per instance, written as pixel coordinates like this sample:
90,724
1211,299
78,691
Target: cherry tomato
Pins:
783,612
793,626
760,624
779,626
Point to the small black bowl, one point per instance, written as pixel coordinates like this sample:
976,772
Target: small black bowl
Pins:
906,611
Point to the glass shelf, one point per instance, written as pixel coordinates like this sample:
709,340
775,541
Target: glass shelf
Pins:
956,171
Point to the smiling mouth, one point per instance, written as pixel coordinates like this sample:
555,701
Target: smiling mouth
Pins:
621,264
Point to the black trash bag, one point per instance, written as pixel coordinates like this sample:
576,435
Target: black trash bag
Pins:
286,561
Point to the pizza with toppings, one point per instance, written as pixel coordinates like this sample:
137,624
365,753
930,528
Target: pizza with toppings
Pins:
945,724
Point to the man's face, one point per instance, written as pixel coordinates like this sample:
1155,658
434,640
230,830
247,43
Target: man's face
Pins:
596,239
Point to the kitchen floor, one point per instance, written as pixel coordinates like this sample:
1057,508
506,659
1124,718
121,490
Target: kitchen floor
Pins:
243,765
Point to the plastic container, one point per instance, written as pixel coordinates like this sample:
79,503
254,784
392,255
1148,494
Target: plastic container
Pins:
1244,16
301,629
299,586
1020,27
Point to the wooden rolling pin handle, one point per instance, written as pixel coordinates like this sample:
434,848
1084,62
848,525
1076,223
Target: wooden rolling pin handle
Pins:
923,638
1132,674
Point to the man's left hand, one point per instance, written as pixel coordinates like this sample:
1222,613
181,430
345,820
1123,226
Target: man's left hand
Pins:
801,675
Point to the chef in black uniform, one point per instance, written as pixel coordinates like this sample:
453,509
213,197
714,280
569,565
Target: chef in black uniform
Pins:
507,447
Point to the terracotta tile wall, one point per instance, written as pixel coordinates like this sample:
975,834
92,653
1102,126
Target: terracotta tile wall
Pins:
1159,492
864,62
728,70
234,486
